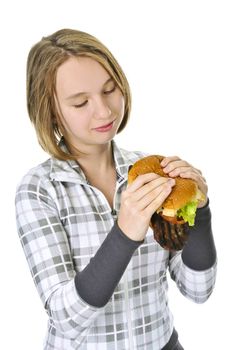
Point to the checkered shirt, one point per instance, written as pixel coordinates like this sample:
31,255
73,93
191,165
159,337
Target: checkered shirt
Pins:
62,221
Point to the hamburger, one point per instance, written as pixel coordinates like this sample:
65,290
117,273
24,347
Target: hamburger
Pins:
171,221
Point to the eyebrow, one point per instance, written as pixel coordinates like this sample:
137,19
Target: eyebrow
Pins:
83,93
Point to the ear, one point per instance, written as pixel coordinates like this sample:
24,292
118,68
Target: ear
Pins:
129,168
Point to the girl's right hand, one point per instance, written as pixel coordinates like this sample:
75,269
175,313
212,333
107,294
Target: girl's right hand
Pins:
140,201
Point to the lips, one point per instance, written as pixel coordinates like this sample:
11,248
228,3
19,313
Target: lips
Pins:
105,127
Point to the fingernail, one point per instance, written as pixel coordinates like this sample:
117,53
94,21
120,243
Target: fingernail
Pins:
165,169
171,181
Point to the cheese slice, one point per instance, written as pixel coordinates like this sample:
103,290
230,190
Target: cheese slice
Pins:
172,212
169,212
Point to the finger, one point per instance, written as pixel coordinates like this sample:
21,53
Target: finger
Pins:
151,186
193,175
201,182
174,165
141,180
198,170
157,202
167,160
161,191
190,168
175,168
184,169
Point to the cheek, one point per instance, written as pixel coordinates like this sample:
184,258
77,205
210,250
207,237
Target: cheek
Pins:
74,119
122,100
119,104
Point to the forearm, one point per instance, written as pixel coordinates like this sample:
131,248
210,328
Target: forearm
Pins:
97,282
199,252
194,269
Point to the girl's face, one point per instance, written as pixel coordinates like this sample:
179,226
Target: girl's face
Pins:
91,104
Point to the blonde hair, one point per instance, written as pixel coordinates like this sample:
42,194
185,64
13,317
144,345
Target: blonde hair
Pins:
44,59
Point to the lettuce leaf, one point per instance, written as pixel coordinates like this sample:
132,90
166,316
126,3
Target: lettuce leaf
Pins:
188,212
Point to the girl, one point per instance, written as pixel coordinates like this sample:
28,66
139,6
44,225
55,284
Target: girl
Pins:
85,233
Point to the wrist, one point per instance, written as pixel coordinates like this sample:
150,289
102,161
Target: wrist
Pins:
203,204
138,238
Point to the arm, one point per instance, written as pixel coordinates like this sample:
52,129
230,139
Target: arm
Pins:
199,253
97,282
48,254
64,292
194,269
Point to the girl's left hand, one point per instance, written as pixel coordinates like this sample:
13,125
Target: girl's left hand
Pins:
174,166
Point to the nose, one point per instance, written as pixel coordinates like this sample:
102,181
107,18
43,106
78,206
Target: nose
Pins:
101,108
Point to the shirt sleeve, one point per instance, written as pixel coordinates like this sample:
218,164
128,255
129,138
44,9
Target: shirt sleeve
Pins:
97,282
48,254
194,268
199,252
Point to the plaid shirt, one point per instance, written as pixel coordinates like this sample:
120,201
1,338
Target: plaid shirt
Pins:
62,221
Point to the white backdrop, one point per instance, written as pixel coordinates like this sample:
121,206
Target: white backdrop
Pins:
177,57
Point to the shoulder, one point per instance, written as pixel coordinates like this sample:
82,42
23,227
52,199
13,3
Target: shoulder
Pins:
35,189
34,176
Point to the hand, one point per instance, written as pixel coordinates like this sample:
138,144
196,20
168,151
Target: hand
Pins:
139,202
174,166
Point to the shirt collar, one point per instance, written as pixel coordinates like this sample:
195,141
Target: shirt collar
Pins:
122,161
70,170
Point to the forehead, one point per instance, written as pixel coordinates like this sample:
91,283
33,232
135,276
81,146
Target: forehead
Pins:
80,74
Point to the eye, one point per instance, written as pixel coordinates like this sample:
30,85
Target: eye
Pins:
107,92
81,105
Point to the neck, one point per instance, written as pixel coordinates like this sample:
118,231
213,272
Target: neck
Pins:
99,161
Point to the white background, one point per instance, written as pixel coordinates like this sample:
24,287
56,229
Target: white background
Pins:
177,57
